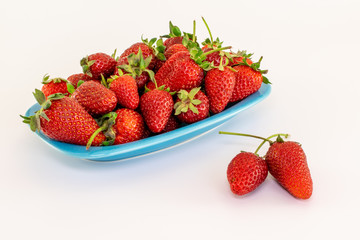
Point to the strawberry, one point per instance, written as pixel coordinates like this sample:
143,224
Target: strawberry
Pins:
214,57
246,172
134,49
219,86
126,91
62,118
158,64
75,78
172,41
95,98
172,124
147,133
191,106
238,58
98,64
248,79
137,67
129,126
150,85
180,72
288,165
174,49
156,107
54,85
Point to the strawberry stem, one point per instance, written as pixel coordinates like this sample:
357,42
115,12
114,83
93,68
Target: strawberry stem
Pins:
254,136
93,137
216,50
207,26
194,28
106,122
279,134
246,135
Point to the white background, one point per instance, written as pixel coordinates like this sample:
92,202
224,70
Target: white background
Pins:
311,49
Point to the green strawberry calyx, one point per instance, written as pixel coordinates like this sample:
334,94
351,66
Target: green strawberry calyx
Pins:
197,54
162,88
174,31
256,67
105,122
71,89
46,79
86,64
239,53
187,101
157,46
107,82
45,103
137,65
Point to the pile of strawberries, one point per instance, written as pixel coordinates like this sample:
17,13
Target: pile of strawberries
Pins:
156,86
153,87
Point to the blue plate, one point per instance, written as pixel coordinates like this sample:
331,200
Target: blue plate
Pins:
157,142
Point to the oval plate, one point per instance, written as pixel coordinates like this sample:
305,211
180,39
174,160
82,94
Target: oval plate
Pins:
157,142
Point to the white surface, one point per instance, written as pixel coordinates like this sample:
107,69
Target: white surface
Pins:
311,49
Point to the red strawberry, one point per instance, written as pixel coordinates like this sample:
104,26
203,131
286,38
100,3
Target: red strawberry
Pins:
288,165
158,65
63,119
54,85
156,107
126,91
238,58
180,72
146,52
171,124
191,106
98,64
75,78
214,57
248,80
172,41
95,98
147,133
129,126
174,49
150,85
246,172
219,86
